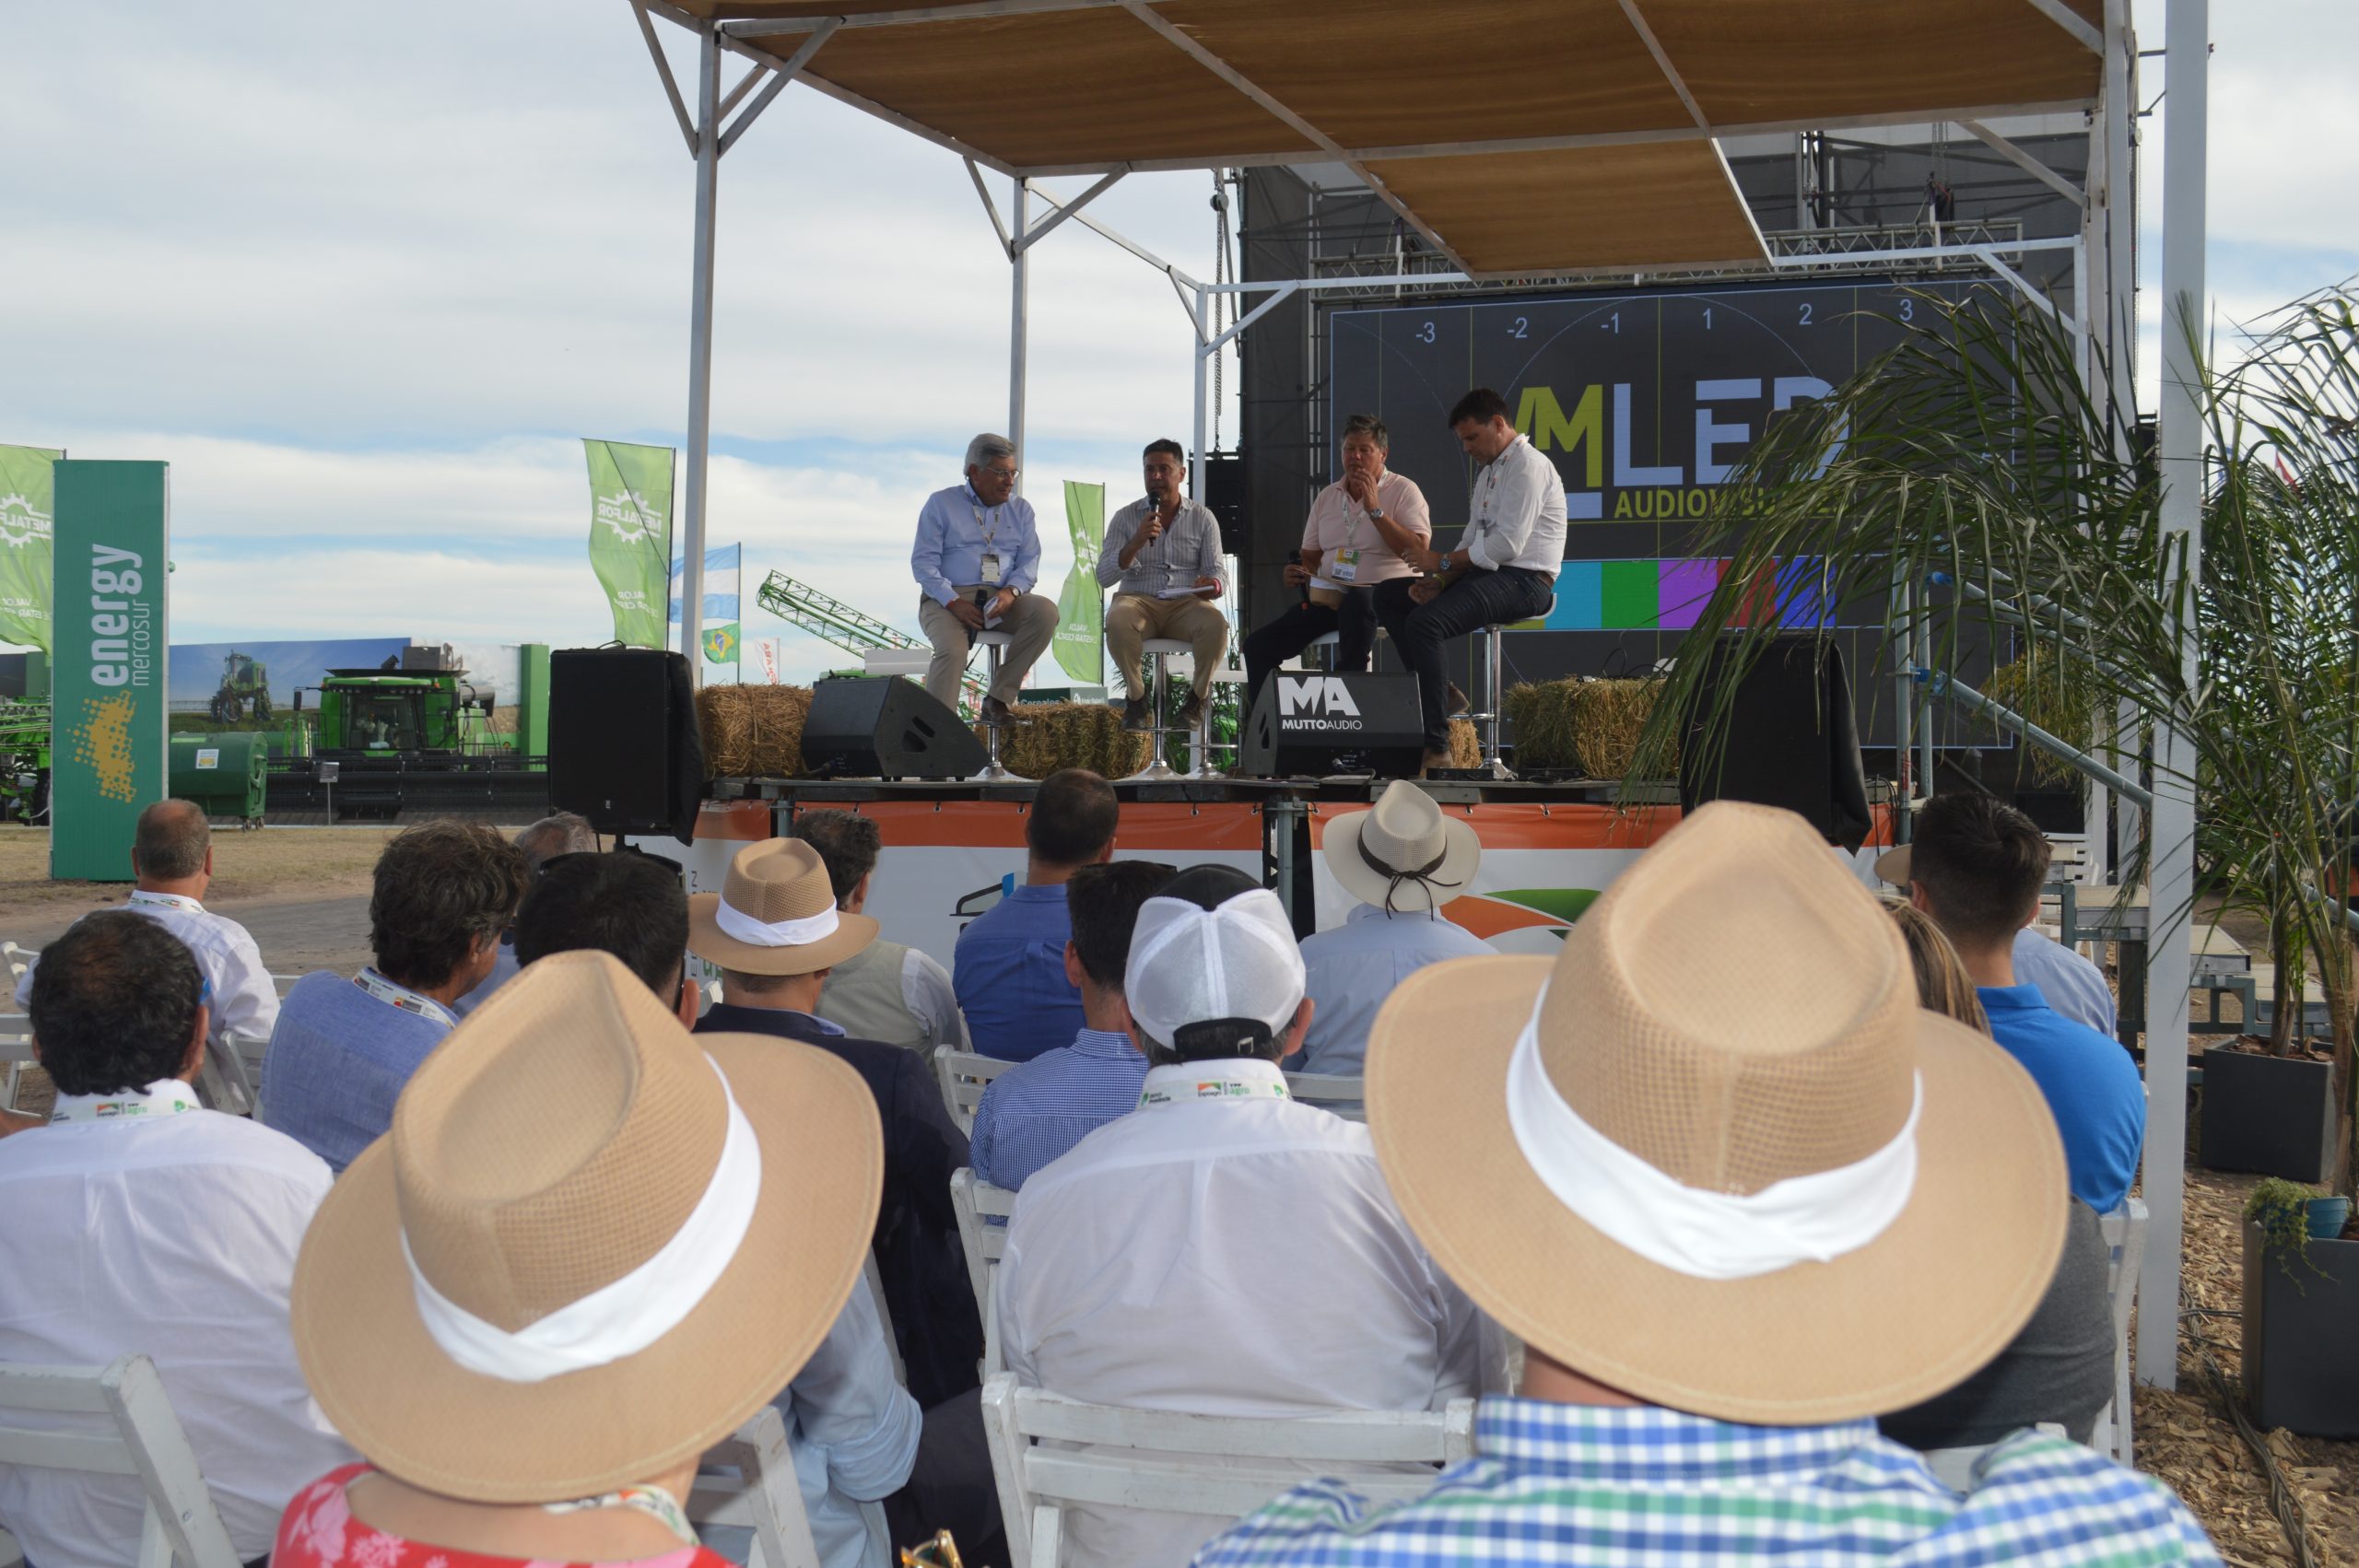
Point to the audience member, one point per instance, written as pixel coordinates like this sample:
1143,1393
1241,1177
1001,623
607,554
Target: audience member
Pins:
566,833
590,1251
1737,1193
443,892
1403,859
172,862
887,991
1036,1110
1226,1250
2060,1369
2074,984
774,930
1009,966
1975,865
137,1222
855,1430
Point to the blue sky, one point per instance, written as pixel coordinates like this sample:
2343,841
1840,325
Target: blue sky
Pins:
365,284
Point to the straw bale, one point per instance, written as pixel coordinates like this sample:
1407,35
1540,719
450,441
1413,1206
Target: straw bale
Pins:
752,732
1465,743
1051,735
1590,726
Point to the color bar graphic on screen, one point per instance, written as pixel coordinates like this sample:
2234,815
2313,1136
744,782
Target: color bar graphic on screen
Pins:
1670,595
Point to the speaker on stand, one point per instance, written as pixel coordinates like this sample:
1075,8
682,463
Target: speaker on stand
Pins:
624,749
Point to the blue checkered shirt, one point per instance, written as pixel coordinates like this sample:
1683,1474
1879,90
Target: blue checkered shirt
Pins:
1035,1111
1622,1487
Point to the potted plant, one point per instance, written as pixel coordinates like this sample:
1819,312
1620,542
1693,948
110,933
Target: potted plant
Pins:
2301,1361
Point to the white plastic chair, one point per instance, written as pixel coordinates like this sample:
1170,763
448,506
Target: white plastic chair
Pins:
2125,1241
16,1055
747,1482
142,1438
19,959
1037,1482
976,1203
964,1075
1331,1092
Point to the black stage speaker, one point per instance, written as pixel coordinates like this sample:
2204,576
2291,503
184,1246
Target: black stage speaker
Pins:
885,727
623,744
1307,724
1224,497
1792,740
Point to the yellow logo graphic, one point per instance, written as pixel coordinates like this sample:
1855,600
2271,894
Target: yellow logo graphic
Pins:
102,741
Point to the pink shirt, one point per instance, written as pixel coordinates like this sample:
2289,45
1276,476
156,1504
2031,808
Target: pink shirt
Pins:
1338,522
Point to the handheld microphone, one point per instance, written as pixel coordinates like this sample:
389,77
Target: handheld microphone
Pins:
1294,557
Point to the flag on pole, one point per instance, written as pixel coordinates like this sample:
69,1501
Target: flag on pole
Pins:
630,533
722,567
25,487
1081,632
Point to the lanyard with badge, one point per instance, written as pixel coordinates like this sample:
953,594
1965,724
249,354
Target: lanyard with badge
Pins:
401,996
1212,1086
165,1097
167,901
1343,565
988,573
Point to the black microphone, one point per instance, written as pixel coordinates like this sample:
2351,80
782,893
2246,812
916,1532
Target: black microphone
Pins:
1294,557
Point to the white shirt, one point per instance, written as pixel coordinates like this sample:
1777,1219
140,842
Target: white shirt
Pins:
244,998
1517,509
2072,985
172,1236
1348,972
1237,1254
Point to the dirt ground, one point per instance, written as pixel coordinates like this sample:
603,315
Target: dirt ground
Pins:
308,862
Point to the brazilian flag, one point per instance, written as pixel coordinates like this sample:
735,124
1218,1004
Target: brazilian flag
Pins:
721,644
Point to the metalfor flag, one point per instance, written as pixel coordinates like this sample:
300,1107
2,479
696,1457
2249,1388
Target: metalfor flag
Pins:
26,488
630,533
724,578
1081,632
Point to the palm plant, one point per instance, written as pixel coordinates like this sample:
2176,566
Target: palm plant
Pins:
1974,487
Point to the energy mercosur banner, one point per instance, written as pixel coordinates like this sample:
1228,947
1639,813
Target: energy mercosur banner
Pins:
1081,634
630,534
26,507
107,669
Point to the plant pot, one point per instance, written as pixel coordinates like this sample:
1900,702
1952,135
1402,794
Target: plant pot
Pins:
2327,1216
2301,1367
2273,1115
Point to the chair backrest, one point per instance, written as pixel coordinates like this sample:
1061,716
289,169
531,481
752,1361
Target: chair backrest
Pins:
746,1480
1035,1483
964,1076
19,959
16,1055
976,1203
143,1439
2125,1242
1331,1092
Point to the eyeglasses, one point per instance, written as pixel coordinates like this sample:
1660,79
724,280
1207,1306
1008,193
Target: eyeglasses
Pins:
997,472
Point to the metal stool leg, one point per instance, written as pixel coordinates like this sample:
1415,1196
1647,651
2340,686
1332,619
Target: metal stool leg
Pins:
1156,770
993,773
1200,756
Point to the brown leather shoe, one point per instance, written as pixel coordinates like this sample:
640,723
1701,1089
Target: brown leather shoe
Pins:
1433,760
1457,702
997,712
1192,709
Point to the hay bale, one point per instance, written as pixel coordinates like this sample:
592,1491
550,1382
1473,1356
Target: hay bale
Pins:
1465,743
1048,736
752,732
1540,714
1589,726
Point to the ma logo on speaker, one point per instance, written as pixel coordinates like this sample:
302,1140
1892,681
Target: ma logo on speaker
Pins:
1317,696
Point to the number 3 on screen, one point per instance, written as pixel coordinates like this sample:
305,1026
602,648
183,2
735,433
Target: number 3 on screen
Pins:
1423,333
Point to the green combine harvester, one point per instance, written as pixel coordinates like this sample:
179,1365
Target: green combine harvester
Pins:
414,735
24,761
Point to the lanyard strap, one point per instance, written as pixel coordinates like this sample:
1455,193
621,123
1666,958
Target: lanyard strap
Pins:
1214,1086
652,1501
988,533
167,901
395,994
164,1098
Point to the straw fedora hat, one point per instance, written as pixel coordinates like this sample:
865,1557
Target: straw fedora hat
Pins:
1405,851
775,914
1893,867
591,1245
1714,1155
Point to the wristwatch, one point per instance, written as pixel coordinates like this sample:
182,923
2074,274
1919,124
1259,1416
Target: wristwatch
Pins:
1376,514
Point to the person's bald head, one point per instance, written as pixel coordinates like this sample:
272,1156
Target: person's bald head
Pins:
172,844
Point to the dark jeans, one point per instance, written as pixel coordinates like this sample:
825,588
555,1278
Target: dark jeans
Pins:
1477,600
1269,646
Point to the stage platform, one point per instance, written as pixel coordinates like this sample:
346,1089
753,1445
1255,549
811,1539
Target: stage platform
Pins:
1357,788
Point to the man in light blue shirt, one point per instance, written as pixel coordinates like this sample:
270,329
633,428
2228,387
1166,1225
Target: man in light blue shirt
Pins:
2072,985
1009,968
1035,1111
1402,860
977,557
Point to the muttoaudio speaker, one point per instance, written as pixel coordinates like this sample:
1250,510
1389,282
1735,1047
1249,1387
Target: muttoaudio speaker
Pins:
1788,738
623,744
1314,725
885,727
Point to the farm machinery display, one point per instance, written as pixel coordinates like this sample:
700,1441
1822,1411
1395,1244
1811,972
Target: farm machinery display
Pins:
413,735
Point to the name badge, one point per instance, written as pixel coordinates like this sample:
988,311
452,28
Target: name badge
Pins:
990,569
1343,565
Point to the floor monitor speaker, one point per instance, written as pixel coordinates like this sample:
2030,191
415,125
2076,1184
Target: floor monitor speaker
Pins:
1789,739
1311,725
885,727
623,744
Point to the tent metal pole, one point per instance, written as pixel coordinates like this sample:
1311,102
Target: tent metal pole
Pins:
2172,816
2006,717
692,502
1019,317
1204,352
2120,293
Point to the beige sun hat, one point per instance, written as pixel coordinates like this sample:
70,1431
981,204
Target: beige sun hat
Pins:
592,1245
1893,866
1403,853
1714,1155
775,914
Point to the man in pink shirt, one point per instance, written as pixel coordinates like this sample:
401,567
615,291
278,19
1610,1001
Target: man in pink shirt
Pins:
1352,540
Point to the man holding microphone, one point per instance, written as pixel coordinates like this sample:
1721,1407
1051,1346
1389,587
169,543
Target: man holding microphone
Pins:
975,559
1162,559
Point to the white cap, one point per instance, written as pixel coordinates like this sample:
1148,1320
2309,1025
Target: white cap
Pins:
1191,965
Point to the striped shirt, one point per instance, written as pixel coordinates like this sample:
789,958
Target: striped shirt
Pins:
1035,1111
1618,1488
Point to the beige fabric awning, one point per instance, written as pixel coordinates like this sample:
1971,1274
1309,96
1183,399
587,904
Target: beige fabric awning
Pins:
1520,137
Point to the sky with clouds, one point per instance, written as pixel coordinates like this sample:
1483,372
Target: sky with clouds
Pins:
365,275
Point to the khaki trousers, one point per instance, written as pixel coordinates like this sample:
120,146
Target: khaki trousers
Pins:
1134,617
1030,622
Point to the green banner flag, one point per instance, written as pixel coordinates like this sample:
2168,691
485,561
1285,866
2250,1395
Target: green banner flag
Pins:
26,507
1081,608
107,747
630,535
721,644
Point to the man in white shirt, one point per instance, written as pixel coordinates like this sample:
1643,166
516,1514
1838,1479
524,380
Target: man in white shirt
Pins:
1402,860
1505,565
139,1222
1351,542
887,990
172,857
1223,1249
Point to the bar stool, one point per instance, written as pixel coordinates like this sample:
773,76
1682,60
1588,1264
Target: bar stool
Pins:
1331,641
1156,770
1494,666
992,772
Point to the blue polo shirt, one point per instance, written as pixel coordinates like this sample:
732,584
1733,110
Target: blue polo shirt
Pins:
2092,1087
1009,972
